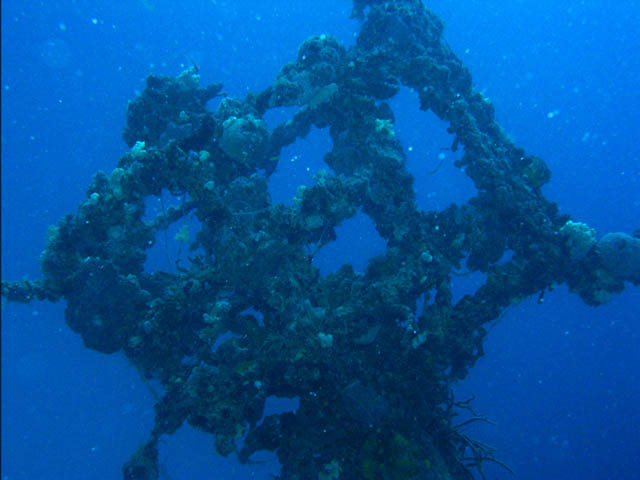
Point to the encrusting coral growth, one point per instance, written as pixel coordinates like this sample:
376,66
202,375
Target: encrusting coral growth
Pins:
250,317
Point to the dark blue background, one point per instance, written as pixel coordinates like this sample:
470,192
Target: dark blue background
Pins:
561,380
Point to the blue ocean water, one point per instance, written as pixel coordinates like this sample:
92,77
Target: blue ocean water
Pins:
560,380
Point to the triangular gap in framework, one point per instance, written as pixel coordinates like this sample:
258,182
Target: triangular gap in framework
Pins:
357,242
170,250
297,165
430,158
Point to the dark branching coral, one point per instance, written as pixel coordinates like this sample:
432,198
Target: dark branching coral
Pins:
252,314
